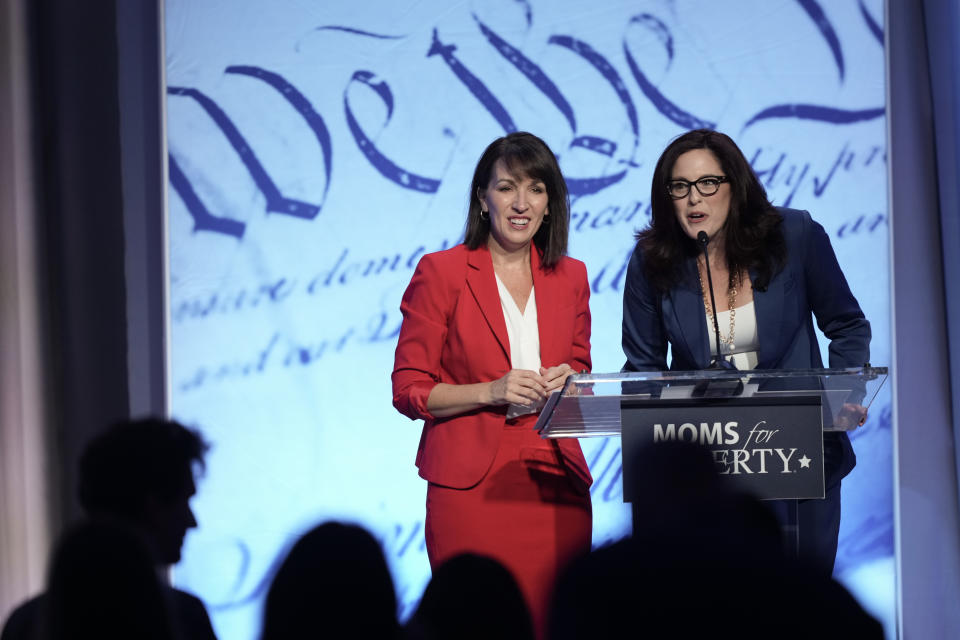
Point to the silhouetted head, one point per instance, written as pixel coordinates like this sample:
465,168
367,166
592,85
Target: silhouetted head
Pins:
143,472
472,597
664,472
700,549
521,156
333,583
103,584
681,500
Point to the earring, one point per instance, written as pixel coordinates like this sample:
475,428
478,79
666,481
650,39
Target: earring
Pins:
546,219
484,215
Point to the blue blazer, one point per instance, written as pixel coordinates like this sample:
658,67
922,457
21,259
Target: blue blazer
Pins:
811,285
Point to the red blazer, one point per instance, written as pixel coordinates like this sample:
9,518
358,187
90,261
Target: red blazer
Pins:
453,331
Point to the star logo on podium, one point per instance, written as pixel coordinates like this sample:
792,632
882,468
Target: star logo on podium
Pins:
805,462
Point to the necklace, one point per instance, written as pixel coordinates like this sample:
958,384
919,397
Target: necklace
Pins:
732,286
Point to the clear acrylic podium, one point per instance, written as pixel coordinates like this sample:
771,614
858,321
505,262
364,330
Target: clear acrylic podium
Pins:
798,406
589,404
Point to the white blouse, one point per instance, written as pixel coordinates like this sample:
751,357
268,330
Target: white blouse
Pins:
746,340
524,334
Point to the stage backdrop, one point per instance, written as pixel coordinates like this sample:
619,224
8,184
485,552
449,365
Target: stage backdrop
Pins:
318,149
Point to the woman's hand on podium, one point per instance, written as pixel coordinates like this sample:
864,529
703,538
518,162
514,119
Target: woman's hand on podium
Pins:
851,416
556,377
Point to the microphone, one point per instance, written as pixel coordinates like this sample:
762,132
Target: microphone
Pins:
718,362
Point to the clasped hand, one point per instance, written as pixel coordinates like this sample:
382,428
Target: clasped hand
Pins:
521,386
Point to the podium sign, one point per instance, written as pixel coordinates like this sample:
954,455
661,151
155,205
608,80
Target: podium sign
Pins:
769,447
764,427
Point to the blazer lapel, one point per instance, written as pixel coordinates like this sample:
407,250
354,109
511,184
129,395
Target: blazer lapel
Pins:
689,315
483,285
768,306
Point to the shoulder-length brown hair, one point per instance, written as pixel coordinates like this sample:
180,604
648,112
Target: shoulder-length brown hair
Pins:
524,154
753,238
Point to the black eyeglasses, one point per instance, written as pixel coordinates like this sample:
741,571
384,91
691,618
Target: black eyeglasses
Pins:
706,186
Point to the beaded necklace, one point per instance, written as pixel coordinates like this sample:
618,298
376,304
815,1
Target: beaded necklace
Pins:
732,286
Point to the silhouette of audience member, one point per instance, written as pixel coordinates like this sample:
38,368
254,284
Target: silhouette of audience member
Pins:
142,474
471,597
706,561
103,584
334,583
681,500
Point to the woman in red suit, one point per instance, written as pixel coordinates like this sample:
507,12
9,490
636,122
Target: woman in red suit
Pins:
490,328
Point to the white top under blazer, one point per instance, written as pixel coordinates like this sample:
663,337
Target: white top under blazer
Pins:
746,340
524,334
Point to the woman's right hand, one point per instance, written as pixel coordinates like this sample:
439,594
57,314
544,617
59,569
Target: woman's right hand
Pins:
518,386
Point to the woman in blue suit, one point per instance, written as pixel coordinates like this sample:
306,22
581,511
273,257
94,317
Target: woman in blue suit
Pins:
773,272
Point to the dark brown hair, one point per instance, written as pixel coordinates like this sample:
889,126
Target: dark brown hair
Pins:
524,154
135,460
753,238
